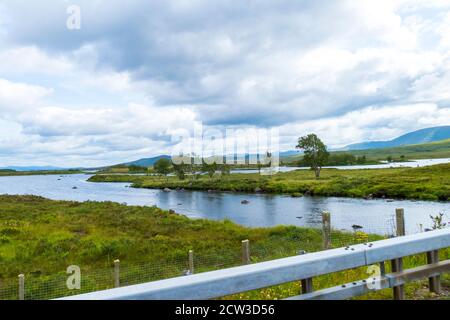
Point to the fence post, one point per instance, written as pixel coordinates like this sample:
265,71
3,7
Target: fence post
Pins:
245,252
400,222
116,273
191,261
397,264
434,282
21,287
326,230
306,284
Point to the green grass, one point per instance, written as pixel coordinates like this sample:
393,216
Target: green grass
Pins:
36,173
425,183
41,238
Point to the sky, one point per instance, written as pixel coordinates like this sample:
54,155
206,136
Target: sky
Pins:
136,72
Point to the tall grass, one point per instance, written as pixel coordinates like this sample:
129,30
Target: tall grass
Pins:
426,183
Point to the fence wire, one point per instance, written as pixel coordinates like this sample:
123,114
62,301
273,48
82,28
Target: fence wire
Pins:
43,287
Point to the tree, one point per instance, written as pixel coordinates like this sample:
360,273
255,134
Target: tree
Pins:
225,170
163,166
361,160
210,169
261,164
315,152
180,170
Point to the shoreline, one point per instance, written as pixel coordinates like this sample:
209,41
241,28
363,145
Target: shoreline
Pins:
425,183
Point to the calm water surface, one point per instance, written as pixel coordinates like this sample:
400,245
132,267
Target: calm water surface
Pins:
262,210
406,164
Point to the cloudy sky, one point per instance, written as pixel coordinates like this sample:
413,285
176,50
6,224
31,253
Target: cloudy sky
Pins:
137,71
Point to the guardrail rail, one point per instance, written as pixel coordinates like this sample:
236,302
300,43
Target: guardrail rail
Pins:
304,268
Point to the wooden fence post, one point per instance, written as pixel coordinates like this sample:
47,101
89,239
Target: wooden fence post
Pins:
191,261
21,287
397,264
326,230
245,252
400,222
116,273
434,282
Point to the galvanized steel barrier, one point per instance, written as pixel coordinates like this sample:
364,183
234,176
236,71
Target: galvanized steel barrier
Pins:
225,282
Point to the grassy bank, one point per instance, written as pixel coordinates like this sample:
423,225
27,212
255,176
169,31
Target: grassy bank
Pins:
37,173
41,238
426,183
432,150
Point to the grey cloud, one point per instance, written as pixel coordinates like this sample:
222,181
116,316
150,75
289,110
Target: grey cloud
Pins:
227,63
181,46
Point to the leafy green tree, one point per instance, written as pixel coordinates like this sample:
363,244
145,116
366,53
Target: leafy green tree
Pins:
210,169
225,170
315,152
163,166
361,160
180,170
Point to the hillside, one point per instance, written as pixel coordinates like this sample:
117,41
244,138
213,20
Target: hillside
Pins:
147,162
433,150
417,137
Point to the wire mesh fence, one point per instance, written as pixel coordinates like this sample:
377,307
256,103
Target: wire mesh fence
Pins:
323,236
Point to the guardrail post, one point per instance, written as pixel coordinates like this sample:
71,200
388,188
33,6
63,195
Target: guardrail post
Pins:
21,287
326,230
434,282
191,261
397,264
116,273
245,252
307,285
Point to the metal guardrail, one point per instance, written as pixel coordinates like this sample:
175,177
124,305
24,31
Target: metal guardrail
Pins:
225,282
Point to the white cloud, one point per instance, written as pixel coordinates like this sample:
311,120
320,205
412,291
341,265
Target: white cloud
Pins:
116,89
20,97
371,123
32,60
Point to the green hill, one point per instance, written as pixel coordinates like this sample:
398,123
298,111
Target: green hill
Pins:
426,135
433,150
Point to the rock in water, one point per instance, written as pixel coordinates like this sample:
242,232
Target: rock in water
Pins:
245,202
167,190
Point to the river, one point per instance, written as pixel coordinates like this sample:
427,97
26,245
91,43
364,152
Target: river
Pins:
375,216
385,165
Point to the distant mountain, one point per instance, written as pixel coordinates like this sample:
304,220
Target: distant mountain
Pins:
147,162
417,137
289,153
